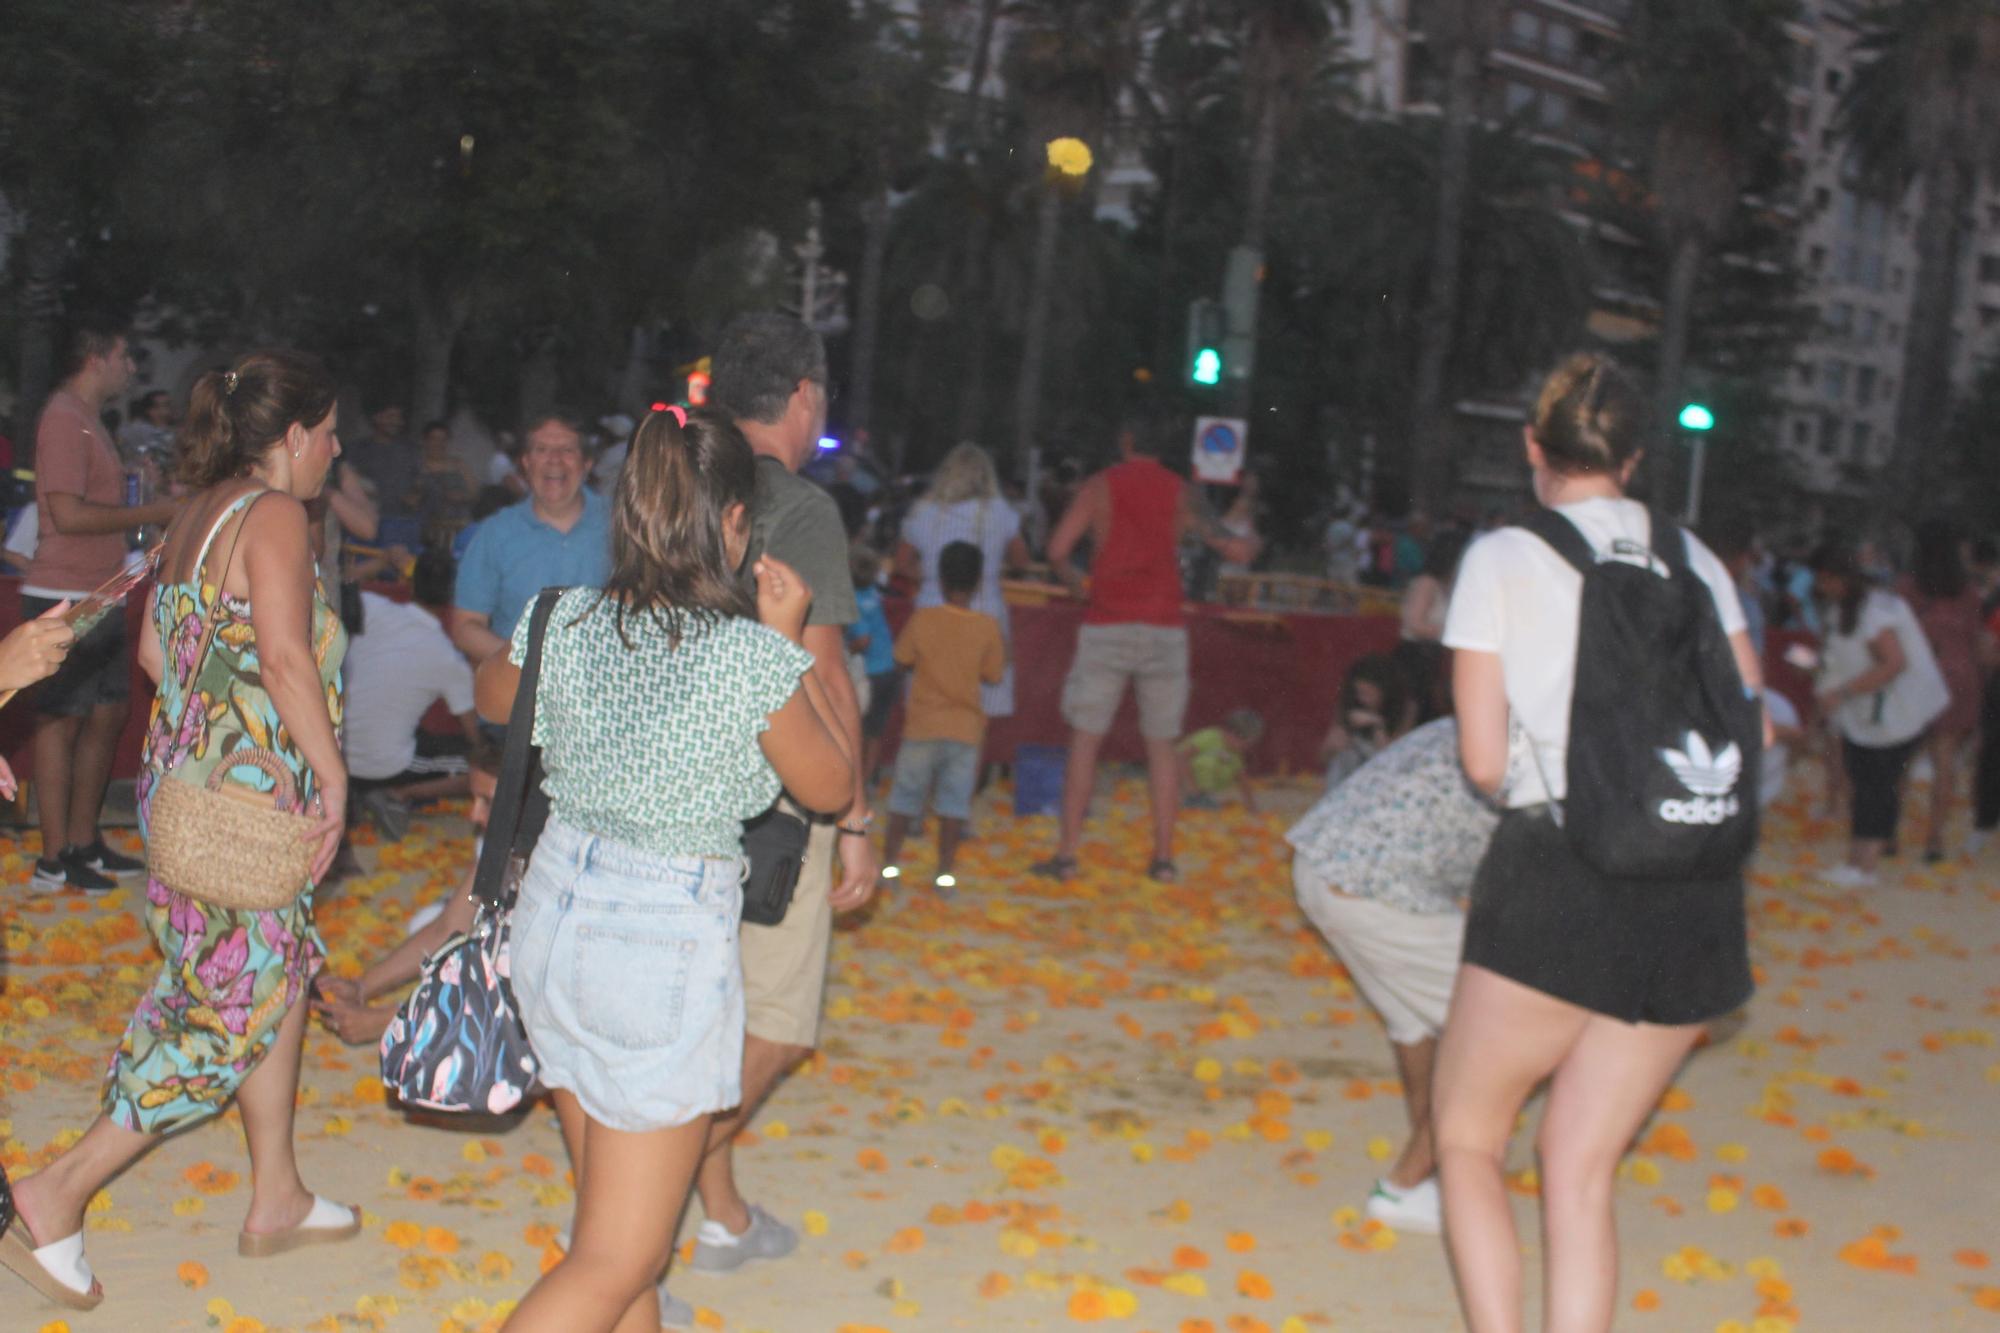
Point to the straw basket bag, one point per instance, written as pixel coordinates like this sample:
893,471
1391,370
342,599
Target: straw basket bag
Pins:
228,846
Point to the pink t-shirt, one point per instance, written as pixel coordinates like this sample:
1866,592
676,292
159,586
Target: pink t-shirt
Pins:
73,456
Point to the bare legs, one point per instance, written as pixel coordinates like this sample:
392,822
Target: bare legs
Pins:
630,1192
1163,791
1079,779
950,831
72,764
1501,1040
279,1200
892,840
765,1063
53,1199
1418,1159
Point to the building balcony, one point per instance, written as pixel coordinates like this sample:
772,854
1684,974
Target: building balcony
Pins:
1612,12
1575,69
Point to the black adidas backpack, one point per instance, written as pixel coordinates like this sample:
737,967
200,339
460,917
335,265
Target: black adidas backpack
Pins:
1665,746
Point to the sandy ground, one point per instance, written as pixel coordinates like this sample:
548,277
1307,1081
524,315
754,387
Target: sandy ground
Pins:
1156,1108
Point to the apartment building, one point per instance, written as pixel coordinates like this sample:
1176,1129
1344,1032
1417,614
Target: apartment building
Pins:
1860,255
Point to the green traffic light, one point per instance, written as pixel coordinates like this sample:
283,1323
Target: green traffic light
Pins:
1207,366
1696,416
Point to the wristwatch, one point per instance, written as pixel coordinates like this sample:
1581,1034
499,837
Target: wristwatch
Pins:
859,830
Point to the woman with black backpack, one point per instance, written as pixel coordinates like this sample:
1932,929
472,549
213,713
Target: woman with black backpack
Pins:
1606,925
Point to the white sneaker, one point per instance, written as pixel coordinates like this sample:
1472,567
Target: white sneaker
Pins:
1418,1208
1850,877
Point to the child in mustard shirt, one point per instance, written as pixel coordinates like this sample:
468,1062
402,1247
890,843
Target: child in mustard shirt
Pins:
950,650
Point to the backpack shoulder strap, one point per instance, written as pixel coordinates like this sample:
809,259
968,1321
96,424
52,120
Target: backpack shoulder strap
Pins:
1670,541
489,883
1567,539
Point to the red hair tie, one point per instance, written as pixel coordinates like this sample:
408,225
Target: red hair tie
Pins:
680,414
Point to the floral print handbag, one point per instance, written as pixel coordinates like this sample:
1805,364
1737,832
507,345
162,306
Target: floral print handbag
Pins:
457,1044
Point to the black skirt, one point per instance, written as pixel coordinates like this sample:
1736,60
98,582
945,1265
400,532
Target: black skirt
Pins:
1642,951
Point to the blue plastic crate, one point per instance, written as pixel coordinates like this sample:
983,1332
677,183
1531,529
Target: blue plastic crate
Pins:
1038,778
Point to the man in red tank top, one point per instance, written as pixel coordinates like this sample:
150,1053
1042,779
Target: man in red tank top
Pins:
1136,512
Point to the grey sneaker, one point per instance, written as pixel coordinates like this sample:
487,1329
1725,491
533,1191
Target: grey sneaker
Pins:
718,1251
674,1312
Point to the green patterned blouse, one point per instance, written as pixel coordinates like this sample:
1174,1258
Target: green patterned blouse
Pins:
656,746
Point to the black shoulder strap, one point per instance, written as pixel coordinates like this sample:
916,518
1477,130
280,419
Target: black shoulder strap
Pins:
1567,539
1670,541
490,884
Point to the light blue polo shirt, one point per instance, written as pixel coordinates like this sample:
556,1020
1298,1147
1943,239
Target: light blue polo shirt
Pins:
515,555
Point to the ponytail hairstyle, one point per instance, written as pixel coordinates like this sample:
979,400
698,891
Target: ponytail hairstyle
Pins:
1590,417
234,416
668,554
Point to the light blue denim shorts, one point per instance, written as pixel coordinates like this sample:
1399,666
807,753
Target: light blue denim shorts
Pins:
944,772
630,985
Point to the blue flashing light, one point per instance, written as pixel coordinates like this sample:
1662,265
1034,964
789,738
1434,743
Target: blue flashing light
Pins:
828,443
1696,416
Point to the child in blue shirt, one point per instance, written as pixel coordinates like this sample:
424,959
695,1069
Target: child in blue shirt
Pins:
869,638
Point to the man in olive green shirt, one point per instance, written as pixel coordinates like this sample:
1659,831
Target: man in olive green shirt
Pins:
770,376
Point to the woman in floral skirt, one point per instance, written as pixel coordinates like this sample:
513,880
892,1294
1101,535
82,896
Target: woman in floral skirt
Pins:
225,1018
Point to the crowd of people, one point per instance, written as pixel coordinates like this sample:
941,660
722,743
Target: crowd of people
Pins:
723,633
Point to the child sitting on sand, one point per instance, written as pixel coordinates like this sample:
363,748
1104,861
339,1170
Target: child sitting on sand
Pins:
1212,760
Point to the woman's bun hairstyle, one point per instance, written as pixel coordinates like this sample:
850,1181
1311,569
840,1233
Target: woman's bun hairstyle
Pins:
1590,417
235,415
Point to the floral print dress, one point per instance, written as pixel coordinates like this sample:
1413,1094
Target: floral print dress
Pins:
228,977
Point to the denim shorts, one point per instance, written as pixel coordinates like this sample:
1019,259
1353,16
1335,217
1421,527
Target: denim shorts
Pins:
944,772
626,970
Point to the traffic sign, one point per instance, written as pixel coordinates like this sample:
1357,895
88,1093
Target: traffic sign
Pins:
1218,449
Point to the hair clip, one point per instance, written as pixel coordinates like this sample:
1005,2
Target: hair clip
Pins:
679,413
229,383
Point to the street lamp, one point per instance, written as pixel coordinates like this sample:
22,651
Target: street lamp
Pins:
1697,420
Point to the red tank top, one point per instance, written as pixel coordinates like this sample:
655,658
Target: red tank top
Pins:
1136,578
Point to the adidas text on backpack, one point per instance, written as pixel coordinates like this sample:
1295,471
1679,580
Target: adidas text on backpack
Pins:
1662,733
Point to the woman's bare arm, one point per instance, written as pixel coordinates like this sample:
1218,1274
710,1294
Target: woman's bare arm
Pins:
1479,691
277,564
811,763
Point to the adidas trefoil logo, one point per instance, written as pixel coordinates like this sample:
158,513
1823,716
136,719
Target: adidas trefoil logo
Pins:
1710,776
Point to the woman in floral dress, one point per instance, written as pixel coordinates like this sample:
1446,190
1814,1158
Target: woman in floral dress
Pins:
226,1017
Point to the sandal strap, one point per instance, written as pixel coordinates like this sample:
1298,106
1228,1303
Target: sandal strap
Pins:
326,1215
65,1261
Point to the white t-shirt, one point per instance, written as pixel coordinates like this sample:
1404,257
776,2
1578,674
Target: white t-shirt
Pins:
1516,597
1906,705
396,668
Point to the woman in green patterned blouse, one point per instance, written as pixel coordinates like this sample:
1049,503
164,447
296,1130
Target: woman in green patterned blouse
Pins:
671,706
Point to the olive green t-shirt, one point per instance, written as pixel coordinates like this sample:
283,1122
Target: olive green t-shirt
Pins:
800,524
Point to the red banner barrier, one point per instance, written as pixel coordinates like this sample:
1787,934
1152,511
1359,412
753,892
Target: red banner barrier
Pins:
1287,667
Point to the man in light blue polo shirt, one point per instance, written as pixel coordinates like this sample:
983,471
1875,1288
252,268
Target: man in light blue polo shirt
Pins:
560,536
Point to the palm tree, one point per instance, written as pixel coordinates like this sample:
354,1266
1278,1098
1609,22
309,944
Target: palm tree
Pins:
1284,48
1703,84
1069,60
1923,106
1355,228
1457,36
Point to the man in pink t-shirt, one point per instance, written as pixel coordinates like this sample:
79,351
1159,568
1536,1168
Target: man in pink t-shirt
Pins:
81,709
